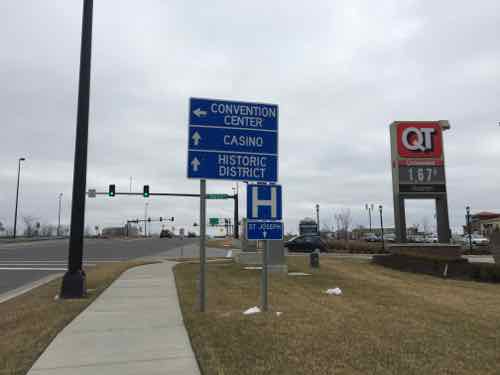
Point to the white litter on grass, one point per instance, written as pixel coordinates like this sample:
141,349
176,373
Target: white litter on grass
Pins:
253,268
56,297
278,313
252,310
298,274
334,291
229,254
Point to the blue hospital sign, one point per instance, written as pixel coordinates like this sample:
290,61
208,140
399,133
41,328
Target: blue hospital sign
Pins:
264,202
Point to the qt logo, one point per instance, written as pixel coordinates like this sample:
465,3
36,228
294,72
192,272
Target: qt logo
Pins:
419,140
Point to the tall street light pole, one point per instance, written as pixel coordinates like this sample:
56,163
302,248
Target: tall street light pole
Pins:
369,208
17,194
467,218
380,208
59,216
317,218
74,280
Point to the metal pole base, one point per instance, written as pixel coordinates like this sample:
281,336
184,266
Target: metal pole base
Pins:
74,285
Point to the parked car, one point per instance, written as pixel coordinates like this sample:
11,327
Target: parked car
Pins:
307,243
371,237
477,240
431,239
165,233
390,237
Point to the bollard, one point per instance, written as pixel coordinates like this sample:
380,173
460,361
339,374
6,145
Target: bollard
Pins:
314,260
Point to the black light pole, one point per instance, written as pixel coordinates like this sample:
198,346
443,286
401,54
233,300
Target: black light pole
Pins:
369,208
381,226
59,216
467,217
317,217
74,281
236,233
17,194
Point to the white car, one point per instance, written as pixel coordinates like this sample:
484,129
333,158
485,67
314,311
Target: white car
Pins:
476,240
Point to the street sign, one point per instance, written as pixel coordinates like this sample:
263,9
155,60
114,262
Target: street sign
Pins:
264,202
218,196
214,221
265,230
230,140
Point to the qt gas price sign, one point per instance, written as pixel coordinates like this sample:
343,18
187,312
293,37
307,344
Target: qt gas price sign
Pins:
230,140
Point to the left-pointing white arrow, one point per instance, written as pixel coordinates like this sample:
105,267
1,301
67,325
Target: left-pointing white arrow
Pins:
198,112
195,163
196,138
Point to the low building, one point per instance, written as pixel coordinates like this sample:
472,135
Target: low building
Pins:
484,223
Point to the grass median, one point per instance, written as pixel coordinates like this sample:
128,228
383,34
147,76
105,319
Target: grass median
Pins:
28,323
386,321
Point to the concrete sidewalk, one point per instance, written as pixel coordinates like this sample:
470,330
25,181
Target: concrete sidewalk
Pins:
134,327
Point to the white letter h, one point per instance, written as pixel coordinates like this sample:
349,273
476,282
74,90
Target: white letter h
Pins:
256,202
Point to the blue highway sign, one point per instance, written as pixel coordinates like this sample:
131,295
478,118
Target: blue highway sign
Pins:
230,140
264,230
264,202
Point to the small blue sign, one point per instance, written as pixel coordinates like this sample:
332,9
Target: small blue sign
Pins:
230,140
264,202
264,230
231,114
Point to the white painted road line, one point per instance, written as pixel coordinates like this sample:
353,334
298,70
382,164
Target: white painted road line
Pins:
31,269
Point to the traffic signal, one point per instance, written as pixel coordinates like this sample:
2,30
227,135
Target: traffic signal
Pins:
145,191
161,218
149,219
172,218
111,191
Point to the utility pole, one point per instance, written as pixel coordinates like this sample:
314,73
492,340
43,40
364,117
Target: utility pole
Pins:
59,216
146,219
74,280
17,194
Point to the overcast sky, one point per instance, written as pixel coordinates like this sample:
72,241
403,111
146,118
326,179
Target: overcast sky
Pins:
340,71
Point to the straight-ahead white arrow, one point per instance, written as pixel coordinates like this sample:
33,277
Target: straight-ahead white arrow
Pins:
264,234
198,112
196,138
195,163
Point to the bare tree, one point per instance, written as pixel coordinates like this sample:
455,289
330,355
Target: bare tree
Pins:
47,230
426,225
29,223
343,219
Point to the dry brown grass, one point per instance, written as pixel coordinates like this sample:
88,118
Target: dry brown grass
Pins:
28,323
386,322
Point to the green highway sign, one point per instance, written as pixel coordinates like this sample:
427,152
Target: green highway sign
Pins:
217,196
214,221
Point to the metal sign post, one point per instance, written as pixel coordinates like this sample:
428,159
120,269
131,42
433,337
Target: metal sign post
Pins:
264,290
203,259
264,211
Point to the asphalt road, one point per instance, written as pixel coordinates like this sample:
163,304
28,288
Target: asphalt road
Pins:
24,263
